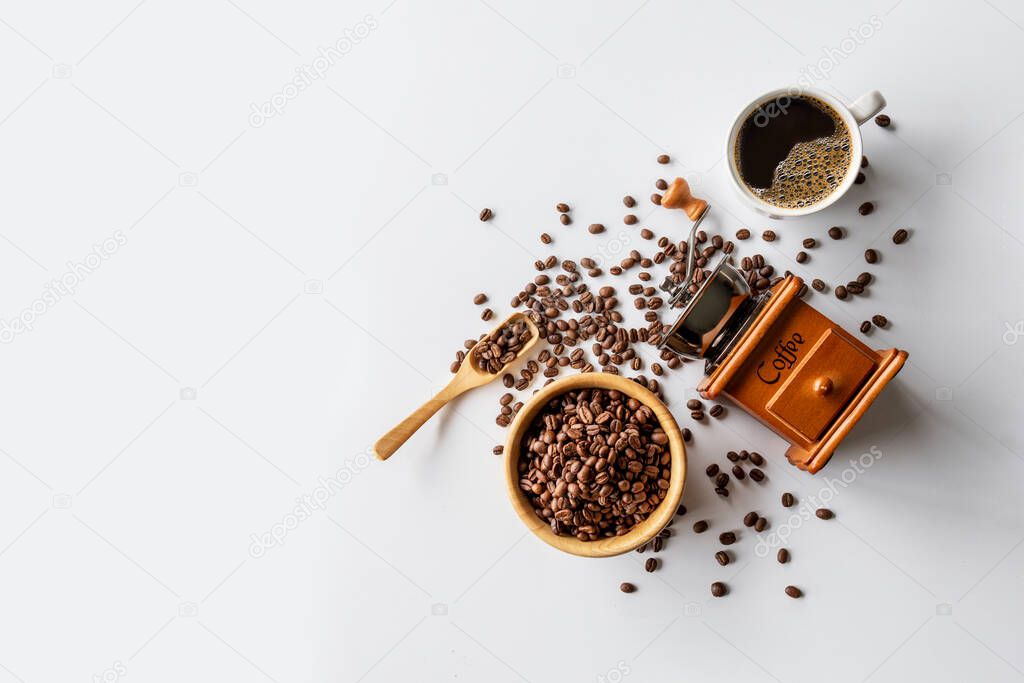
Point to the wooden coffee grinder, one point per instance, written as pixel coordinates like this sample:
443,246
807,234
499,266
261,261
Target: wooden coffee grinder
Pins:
772,354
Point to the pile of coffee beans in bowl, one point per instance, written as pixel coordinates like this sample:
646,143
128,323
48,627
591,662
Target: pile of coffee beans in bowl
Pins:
499,348
594,463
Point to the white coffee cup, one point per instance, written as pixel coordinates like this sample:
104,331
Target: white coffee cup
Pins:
775,103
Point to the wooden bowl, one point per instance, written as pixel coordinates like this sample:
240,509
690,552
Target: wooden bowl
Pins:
638,535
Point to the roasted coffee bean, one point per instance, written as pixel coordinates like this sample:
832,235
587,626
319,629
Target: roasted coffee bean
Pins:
859,180
681,510
768,235
883,120
486,215
835,232
595,228
900,236
663,159
865,208
545,238
716,411
722,557
841,292
487,314
865,326
727,538
498,450
721,480
651,564
854,287
626,587
564,219
819,285
561,207
656,199
711,470
794,592
700,527
694,404
738,472
810,243
750,519
757,475
722,491
733,456
480,298
871,256
718,589
646,234
864,162
742,234
782,556
661,184
508,380
788,500
629,219
865,278
757,458
658,544
880,320
761,524
824,513
801,257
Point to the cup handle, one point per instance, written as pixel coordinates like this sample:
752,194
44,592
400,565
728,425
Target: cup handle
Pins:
866,106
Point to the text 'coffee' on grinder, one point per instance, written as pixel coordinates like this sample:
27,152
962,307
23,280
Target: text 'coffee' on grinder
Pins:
772,354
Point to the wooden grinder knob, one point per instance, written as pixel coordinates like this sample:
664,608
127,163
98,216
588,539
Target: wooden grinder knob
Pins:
823,386
678,196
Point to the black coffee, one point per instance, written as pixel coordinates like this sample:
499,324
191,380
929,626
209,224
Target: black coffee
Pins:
793,154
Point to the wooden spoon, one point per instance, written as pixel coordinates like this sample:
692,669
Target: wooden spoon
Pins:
468,377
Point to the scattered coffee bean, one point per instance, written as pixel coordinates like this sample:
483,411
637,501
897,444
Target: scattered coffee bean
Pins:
595,228
859,180
651,564
750,519
782,556
871,256
487,314
788,499
865,278
722,491
562,207
480,298
718,589
680,511
658,544
564,219
646,234
768,235
880,320
794,592
819,285
824,513
711,469
883,120
722,557
716,411
661,184
810,243
865,327
486,215
627,587
694,404
498,450
761,524
835,232
700,527
545,238
841,292
865,208
727,538
656,199
722,480
742,234
864,162
629,201
900,236
739,473
757,459
801,257
664,159
757,475
629,219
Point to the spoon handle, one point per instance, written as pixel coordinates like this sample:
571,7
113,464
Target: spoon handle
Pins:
400,433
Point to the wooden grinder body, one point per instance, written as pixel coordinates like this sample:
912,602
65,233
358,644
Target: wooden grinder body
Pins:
803,376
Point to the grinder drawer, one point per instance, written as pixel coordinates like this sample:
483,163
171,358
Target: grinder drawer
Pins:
821,386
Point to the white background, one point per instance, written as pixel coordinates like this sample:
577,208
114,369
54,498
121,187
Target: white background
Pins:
288,291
